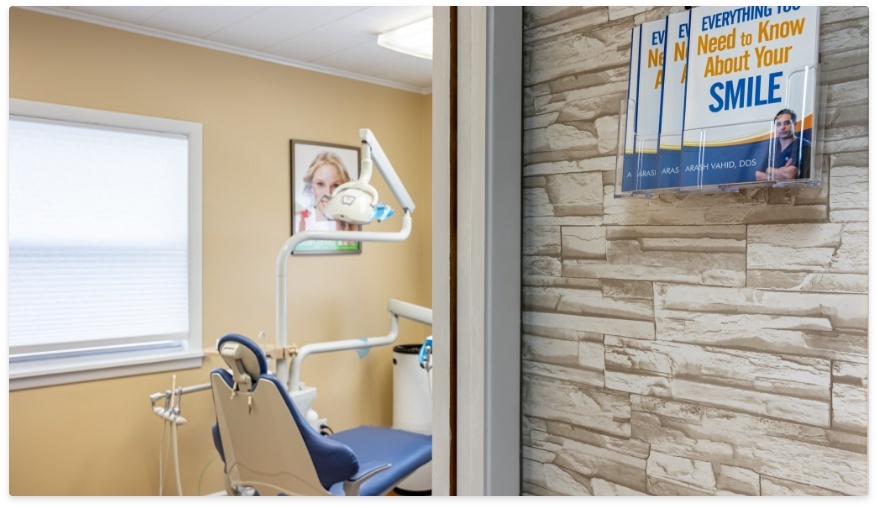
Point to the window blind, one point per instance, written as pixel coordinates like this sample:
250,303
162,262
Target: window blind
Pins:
98,238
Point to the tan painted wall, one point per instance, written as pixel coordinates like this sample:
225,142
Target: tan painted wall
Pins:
100,438
689,344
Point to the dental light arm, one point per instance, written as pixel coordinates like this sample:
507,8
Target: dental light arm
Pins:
373,149
360,193
396,308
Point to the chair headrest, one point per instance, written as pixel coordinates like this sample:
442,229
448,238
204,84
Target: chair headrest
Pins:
244,357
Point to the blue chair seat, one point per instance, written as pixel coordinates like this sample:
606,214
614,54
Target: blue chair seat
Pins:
405,450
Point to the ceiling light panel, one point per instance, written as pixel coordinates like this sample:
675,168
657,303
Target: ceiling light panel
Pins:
415,39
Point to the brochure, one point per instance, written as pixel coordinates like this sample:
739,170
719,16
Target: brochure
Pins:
750,94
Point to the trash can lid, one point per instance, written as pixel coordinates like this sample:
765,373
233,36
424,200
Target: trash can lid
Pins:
409,349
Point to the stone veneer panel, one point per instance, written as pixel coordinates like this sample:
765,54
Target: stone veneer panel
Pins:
690,344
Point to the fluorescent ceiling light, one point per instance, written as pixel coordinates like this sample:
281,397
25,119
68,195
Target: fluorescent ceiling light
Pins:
415,39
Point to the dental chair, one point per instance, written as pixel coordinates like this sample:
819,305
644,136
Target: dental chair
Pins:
270,449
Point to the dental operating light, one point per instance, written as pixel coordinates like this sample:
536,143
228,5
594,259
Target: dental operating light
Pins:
356,202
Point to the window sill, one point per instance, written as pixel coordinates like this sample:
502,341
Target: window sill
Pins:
56,372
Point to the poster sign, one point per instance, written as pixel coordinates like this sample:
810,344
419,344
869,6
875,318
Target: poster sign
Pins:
316,170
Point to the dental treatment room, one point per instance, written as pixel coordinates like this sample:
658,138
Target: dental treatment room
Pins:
416,250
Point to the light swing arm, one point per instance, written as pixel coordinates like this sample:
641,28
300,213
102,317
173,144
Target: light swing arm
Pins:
358,190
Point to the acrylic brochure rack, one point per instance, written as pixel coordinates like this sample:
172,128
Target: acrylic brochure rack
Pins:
722,158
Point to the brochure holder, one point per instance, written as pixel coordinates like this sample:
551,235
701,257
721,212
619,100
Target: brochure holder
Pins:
646,170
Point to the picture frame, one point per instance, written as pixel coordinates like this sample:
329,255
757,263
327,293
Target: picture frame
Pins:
316,169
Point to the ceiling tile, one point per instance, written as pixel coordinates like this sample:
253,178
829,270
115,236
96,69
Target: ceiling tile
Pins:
274,25
389,18
359,57
198,22
331,38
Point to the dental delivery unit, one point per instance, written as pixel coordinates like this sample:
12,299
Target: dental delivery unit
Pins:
266,428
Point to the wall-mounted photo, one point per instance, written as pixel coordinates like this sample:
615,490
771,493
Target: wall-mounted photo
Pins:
316,170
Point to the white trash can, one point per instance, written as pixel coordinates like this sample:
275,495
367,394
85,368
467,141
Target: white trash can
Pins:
412,409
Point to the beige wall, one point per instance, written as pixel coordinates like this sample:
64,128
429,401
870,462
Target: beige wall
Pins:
689,344
100,438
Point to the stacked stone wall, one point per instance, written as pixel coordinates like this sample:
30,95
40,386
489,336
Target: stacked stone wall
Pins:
690,344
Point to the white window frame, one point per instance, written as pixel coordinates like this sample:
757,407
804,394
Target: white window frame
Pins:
54,371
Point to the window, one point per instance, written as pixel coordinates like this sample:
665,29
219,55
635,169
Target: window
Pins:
104,244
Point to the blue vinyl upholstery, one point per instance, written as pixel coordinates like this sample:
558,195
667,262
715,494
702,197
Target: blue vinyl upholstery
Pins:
341,456
407,451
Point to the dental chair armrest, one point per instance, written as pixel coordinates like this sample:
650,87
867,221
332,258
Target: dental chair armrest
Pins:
352,486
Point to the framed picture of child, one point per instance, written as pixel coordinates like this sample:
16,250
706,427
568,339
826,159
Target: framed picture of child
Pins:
316,170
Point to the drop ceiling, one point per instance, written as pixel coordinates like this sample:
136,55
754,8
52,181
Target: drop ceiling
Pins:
333,40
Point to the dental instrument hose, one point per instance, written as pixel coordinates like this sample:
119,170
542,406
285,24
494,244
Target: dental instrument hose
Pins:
176,458
172,408
164,455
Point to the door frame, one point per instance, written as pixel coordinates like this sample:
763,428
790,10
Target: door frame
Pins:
477,101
